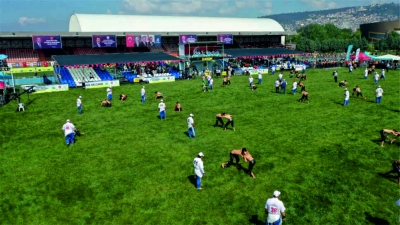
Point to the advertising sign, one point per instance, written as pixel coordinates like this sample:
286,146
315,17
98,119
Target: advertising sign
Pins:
161,79
102,84
46,42
187,38
226,38
143,40
104,41
50,88
203,51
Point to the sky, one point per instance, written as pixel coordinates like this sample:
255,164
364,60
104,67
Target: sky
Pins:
51,15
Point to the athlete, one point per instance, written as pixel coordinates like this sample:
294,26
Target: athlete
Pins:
386,132
248,158
234,154
395,169
304,97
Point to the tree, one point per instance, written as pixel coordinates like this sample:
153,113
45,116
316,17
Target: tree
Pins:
332,31
313,32
346,33
357,34
364,44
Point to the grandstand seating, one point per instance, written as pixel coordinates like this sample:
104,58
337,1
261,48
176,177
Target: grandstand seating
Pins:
104,75
89,51
22,55
171,47
80,75
66,77
156,49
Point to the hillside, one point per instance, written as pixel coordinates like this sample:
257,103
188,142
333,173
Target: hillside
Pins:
349,17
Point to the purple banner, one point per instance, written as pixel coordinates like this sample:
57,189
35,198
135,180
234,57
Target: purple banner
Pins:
46,42
187,38
226,38
104,41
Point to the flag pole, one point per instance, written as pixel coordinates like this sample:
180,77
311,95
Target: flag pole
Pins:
12,77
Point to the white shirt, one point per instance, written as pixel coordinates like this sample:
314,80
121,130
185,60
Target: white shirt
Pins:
259,75
190,122
198,167
304,67
109,91
250,79
211,82
68,128
346,95
274,208
277,83
142,91
383,73
294,85
273,68
366,73
161,106
78,102
376,77
379,92
280,76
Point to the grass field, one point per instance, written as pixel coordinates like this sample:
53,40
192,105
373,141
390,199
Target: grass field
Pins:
132,168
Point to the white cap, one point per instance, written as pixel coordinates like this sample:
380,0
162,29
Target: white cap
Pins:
277,193
200,154
80,96
191,114
68,120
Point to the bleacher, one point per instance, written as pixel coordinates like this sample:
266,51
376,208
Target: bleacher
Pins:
49,52
81,75
66,77
22,55
89,51
156,49
171,47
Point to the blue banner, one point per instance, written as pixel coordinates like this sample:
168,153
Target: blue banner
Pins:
46,42
348,52
187,38
104,41
226,38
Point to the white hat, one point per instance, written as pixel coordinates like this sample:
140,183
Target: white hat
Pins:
80,96
200,154
191,114
277,193
68,120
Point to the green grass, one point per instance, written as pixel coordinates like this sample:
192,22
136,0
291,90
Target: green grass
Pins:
132,168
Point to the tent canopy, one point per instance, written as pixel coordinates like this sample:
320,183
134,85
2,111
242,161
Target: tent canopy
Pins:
260,51
388,57
361,56
69,60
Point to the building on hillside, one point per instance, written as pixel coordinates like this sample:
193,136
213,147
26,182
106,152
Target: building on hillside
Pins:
379,30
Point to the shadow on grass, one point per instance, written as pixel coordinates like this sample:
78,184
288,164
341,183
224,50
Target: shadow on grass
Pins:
192,179
254,220
375,220
389,177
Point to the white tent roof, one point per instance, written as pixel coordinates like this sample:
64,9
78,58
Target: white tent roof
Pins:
388,57
172,24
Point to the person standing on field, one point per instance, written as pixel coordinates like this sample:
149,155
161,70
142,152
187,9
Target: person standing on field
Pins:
161,107
275,210
199,169
191,129
69,132
346,97
79,104
378,94
143,94
109,93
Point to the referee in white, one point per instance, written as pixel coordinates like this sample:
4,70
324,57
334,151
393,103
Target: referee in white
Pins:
199,169
274,208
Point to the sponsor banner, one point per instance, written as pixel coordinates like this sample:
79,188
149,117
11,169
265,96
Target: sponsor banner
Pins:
102,84
226,38
143,40
161,79
255,71
104,41
203,51
50,88
348,52
357,53
46,42
31,69
187,38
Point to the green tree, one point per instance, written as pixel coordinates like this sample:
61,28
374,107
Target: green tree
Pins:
313,32
346,33
332,31
364,44
357,34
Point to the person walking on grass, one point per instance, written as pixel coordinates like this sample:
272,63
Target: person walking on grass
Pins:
79,104
191,129
248,158
378,94
283,86
346,97
161,107
358,91
250,80
109,93
69,132
366,72
376,77
277,84
384,134
143,94
383,75
275,210
294,87
335,76
395,169
259,77
199,169
234,154
204,84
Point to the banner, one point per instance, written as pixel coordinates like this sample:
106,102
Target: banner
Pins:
102,84
32,69
348,52
357,53
203,51
187,38
181,50
226,38
47,88
46,42
144,40
104,41
161,79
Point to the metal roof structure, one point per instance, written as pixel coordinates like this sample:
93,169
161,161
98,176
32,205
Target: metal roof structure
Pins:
172,25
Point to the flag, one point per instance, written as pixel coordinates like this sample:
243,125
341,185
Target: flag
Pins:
357,53
348,52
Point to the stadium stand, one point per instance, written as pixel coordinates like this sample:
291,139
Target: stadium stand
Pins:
21,55
89,51
66,78
49,52
81,75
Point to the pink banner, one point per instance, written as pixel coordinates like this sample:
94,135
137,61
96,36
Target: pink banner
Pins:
1,85
130,40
